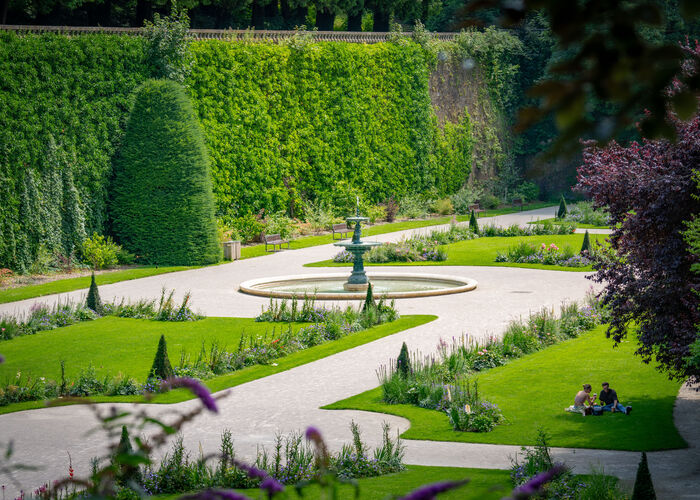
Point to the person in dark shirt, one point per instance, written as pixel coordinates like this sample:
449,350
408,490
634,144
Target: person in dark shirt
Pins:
609,401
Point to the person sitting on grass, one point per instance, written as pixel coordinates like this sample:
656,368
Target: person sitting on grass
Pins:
608,399
583,401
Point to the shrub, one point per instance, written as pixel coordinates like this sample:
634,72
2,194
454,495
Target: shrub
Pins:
473,225
490,201
465,197
369,299
444,206
528,191
161,368
126,474
403,362
249,227
93,297
279,223
561,212
643,486
586,246
392,209
413,207
100,252
583,212
163,206
168,45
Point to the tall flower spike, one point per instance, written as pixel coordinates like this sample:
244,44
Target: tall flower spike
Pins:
430,491
534,485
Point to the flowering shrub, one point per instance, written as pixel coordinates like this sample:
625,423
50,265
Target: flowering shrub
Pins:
480,417
528,253
583,212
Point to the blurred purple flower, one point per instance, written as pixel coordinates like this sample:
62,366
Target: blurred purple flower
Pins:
2,359
271,485
534,485
216,495
253,472
196,387
430,491
313,434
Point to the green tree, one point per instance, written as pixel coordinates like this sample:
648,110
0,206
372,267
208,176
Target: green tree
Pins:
369,299
163,206
473,224
168,48
586,246
127,472
161,368
403,362
93,297
562,211
643,487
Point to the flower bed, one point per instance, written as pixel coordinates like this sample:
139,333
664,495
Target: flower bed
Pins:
528,253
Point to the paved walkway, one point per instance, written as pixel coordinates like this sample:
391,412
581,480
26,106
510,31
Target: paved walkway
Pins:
290,401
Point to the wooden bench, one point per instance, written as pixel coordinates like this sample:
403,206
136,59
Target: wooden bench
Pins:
341,229
476,209
518,202
274,240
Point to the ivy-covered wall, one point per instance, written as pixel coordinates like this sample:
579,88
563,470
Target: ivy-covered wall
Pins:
283,123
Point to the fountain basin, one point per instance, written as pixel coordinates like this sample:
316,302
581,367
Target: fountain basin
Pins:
330,286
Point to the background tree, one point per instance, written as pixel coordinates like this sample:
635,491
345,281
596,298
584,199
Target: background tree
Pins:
163,206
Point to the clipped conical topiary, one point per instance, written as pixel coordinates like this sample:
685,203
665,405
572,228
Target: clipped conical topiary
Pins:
403,362
369,299
93,297
643,487
162,205
561,213
161,368
473,225
126,471
586,246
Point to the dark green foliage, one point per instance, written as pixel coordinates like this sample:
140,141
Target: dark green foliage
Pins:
127,472
586,246
63,104
161,368
163,206
562,211
403,362
93,297
473,224
643,486
369,299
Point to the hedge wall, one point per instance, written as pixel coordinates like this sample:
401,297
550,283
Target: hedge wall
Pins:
282,122
63,105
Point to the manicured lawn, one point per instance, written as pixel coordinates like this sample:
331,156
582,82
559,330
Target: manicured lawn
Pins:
70,284
484,484
482,252
534,390
127,346
578,224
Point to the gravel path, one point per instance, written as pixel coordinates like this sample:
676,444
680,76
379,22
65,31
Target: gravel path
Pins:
290,401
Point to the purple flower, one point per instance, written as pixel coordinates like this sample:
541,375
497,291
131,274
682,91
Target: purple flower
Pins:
534,485
253,472
271,485
216,495
430,491
313,434
196,387
2,359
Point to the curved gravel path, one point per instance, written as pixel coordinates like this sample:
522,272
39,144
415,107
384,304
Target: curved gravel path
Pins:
290,401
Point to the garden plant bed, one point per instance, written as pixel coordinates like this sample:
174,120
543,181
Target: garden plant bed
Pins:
483,252
127,346
560,221
553,376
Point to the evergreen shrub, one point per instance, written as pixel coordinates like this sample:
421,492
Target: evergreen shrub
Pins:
473,224
161,369
93,297
163,206
403,362
562,211
643,486
586,245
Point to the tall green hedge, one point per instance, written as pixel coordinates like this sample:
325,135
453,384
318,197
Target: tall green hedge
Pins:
63,105
282,122
163,205
292,121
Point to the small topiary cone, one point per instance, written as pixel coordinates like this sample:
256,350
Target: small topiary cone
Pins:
126,473
586,247
643,487
93,297
369,299
473,225
561,213
161,368
403,362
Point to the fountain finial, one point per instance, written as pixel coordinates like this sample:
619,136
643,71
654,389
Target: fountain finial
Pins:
357,210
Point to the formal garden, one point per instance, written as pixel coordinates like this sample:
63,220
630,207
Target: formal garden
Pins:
349,249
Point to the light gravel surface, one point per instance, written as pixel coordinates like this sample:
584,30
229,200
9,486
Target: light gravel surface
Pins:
290,401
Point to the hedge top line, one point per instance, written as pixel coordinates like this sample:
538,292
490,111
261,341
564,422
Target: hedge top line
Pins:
229,34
